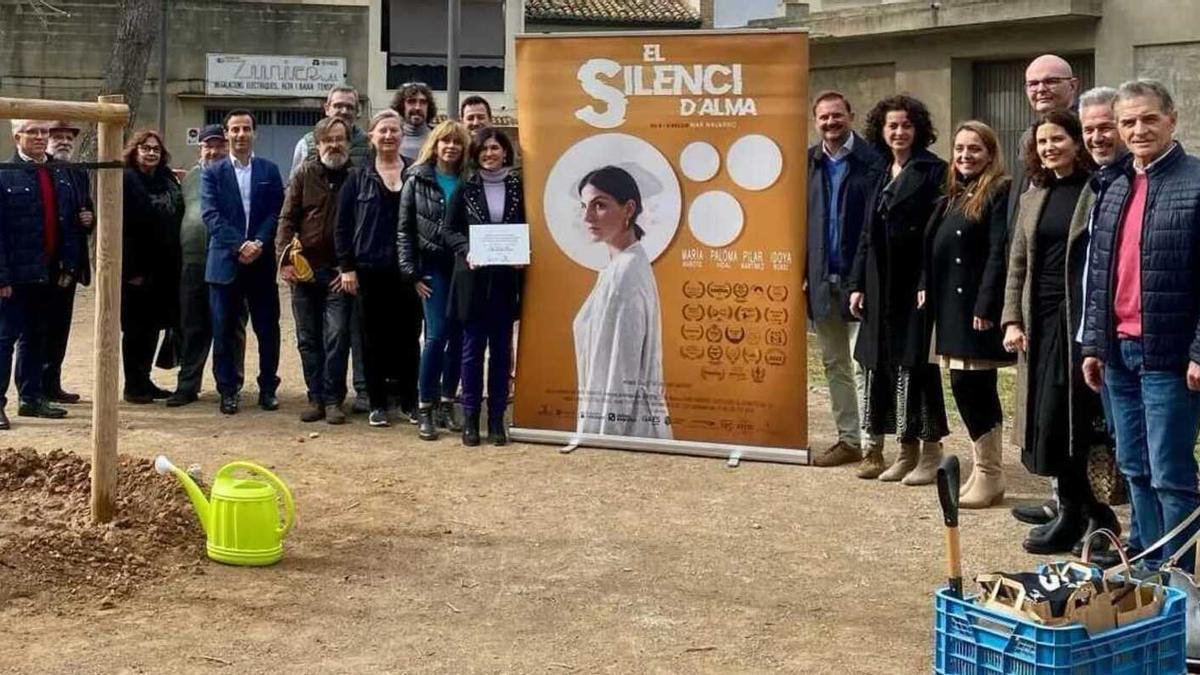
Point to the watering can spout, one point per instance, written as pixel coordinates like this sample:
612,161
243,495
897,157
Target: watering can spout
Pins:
199,501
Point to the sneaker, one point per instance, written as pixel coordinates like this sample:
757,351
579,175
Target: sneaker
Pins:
838,454
378,418
334,415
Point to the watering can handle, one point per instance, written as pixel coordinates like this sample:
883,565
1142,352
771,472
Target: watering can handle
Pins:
289,506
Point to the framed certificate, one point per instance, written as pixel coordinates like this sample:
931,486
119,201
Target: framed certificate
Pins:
500,244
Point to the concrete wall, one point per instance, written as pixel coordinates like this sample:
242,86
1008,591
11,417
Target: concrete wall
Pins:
64,57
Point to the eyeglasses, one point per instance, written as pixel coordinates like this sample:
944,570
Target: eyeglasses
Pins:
156,149
1047,82
35,131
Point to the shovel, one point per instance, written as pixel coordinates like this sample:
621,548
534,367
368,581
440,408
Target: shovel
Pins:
947,486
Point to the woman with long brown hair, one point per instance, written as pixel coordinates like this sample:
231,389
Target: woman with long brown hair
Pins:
1057,419
963,291
153,212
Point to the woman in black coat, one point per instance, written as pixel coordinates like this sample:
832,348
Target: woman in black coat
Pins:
365,244
963,292
426,261
902,390
1057,419
153,212
485,300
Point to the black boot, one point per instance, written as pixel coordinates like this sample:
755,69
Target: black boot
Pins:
470,432
1062,534
497,434
425,429
449,416
1100,517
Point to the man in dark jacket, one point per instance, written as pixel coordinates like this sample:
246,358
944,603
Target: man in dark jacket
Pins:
61,309
842,169
39,214
320,308
1142,326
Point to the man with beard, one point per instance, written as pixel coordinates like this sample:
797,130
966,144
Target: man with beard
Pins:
194,320
62,298
320,308
342,102
415,104
842,169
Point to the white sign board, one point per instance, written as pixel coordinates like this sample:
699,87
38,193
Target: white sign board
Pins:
257,75
193,135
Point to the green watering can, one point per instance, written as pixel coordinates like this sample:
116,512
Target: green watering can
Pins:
241,518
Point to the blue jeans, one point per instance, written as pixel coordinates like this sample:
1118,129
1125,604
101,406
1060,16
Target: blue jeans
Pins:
322,336
1156,418
441,355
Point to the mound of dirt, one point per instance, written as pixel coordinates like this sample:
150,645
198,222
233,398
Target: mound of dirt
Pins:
49,547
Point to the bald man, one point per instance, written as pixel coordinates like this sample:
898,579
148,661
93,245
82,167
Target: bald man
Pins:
1050,85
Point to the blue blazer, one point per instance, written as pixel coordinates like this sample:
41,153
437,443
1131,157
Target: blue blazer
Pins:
225,219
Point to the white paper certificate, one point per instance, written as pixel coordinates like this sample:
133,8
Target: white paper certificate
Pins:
503,244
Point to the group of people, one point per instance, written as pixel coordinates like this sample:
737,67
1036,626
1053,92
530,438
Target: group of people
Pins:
1079,263
370,231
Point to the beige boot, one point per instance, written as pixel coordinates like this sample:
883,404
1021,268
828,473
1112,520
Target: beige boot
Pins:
966,486
903,464
872,462
988,488
927,466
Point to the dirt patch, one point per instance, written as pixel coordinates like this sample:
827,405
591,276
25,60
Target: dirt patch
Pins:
48,544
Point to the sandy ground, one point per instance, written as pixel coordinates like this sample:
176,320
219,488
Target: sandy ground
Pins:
421,557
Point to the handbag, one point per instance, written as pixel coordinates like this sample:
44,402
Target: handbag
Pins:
293,255
1108,485
1182,579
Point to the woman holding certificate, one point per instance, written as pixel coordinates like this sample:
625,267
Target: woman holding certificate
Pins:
427,261
485,299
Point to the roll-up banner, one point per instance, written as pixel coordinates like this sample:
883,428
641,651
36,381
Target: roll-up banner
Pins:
665,188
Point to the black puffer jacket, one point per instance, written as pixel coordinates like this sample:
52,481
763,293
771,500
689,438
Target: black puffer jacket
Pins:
1170,265
421,237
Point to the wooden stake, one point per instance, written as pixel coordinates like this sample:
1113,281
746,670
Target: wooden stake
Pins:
109,205
34,109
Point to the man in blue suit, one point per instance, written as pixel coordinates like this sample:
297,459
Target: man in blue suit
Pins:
240,201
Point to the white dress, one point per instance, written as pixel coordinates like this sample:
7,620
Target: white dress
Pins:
618,352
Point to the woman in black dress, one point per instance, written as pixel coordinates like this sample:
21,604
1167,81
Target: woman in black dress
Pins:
902,391
153,212
963,291
1057,419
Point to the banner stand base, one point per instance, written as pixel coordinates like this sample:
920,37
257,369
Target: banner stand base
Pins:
732,454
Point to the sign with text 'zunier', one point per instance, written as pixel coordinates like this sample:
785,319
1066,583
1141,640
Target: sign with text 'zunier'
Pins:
263,75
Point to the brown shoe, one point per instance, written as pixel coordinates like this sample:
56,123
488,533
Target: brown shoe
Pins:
334,415
872,464
313,412
837,454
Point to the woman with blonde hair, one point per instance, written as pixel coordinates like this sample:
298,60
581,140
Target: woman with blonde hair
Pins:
425,246
963,291
365,242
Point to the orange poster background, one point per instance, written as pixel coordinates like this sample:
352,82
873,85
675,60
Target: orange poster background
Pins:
736,396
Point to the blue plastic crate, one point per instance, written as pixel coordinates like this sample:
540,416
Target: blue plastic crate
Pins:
972,640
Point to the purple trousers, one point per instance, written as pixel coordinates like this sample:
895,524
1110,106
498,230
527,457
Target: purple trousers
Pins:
491,334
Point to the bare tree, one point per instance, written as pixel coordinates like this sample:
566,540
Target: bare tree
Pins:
128,61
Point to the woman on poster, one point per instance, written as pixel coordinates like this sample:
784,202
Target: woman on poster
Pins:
618,330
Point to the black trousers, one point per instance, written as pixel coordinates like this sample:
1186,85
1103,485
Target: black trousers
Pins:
390,317
978,401
195,330
139,336
60,309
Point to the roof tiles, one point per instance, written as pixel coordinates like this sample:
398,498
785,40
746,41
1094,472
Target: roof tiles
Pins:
672,12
